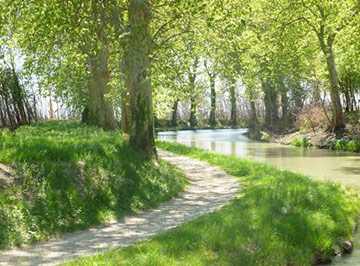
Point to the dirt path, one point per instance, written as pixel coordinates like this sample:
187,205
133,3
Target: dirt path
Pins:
209,189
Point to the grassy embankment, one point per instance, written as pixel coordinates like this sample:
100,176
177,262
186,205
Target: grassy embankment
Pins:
70,176
279,218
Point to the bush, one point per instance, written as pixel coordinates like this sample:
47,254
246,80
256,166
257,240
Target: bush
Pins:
339,145
265,136
311,118
344,145
298,142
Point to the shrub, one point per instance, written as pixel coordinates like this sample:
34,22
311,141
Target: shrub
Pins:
265,136
344,145
311,118
352,145
339,145
298,142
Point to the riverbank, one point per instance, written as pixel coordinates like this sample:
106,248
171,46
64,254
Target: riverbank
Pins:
321,139
278,218
67,176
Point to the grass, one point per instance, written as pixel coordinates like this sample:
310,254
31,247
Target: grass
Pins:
278,218
71,176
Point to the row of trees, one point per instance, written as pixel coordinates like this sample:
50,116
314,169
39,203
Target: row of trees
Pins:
142,57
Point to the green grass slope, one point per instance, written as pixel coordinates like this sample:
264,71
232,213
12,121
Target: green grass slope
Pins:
71,176
279,218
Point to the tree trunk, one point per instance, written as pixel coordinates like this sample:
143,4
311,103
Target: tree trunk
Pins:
192,119
139,46
212,119
254,127
338,118
174,112
125,111
284,109
192,73
271,111
233,104
100,107
52,115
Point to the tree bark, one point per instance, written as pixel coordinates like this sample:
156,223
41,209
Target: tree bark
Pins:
125,111
254,127
139,46
233,117
212,119
192,77
174,112
338,118
100,107
271,111
192,119
327,48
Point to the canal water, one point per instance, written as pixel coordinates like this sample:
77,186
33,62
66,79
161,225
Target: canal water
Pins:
341,167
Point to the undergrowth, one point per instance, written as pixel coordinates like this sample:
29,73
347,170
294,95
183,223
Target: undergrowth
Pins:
345,145
71,176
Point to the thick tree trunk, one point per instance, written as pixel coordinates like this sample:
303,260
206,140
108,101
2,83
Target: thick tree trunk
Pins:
254,127
139,46
100,107
101,112
212,119
233,117
271,110
125,111
338,118
174,112
192,119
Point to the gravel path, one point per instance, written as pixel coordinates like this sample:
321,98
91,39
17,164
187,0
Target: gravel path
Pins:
209,189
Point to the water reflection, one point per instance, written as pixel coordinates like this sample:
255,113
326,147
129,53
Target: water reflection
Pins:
323,164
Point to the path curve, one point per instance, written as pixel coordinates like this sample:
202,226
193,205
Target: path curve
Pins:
209,189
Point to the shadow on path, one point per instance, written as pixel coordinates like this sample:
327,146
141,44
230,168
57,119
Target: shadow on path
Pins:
209,189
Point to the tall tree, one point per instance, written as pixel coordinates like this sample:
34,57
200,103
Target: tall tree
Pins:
326,19
139,47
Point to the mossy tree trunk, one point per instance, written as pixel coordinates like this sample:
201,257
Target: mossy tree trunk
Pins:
139,47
